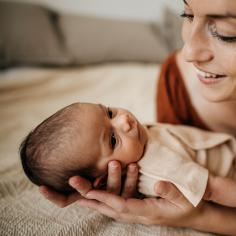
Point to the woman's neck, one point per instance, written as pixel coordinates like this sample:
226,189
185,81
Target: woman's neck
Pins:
219,116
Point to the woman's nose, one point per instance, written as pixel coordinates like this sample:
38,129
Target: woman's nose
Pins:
197,47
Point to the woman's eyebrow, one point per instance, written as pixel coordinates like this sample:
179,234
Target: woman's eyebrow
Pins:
216,16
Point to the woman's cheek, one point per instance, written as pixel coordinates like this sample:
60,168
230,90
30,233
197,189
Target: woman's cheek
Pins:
185,31
228,56
231,62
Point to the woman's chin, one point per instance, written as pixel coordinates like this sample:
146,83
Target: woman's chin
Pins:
218,93
213,97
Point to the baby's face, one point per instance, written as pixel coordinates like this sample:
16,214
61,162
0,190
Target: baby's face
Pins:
110,134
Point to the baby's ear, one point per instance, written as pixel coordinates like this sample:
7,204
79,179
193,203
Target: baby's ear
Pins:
100,182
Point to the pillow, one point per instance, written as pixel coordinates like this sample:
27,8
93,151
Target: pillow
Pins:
171,30
28,36
94,39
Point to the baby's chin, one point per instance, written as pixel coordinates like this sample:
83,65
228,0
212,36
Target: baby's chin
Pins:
145,136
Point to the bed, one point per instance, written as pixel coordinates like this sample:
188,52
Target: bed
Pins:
29,94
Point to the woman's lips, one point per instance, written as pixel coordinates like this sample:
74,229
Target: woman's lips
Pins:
209,81
209,78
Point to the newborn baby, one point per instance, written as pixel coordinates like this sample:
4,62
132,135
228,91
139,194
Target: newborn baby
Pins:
82,138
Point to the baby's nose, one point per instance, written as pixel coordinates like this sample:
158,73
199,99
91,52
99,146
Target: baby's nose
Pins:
125,123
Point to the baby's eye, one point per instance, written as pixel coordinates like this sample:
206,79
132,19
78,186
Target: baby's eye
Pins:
110,113
113,140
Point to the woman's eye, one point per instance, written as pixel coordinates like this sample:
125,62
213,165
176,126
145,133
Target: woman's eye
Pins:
110,113
227,39
113,140
187,16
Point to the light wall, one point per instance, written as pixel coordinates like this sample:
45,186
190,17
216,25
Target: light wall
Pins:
147,10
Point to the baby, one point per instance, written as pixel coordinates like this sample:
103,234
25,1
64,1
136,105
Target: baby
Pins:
82,138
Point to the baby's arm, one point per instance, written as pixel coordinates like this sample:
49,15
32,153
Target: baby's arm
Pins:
221,190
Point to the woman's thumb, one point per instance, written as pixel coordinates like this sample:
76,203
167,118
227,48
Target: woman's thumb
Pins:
170,192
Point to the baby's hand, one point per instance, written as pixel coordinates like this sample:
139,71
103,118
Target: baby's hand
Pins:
221,190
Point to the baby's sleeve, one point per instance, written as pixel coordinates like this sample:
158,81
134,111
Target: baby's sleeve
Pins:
189,177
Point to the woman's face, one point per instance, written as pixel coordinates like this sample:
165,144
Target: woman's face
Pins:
209,34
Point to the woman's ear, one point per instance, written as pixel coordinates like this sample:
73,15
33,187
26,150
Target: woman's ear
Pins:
100,181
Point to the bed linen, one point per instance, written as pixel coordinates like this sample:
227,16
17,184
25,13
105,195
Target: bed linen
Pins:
28,96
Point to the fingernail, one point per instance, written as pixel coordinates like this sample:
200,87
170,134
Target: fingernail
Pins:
132,168
159,188
44,192
73,183
113,166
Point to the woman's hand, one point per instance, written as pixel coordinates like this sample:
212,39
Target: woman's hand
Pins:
221,190
64,200
172,209
83,186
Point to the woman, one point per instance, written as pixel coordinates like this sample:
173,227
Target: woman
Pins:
205,73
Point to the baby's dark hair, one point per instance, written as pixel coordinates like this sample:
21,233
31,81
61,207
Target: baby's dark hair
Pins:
45,150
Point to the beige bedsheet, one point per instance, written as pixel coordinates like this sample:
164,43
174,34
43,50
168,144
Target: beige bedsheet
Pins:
29,95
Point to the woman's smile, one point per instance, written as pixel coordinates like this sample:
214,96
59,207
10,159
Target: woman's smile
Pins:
209,78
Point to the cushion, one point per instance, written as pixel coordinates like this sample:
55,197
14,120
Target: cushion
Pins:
171,29
94,39
28,36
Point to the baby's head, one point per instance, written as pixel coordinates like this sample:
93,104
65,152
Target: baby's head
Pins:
81,139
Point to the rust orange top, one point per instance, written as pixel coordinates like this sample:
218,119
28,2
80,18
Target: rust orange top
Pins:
173,102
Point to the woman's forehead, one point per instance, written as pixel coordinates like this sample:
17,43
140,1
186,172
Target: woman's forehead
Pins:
212,7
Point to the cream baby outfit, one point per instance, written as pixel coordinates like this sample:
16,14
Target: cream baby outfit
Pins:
183,156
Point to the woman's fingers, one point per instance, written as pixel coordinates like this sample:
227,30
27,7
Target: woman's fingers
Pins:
114,177
169,192
98,206
128,216
130,185
59,199
221,190
114,201
145,211
119,204
81,185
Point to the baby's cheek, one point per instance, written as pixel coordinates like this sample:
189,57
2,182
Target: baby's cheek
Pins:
102,164
136,154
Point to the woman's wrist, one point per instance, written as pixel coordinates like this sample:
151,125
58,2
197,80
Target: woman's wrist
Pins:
214,218
198,217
